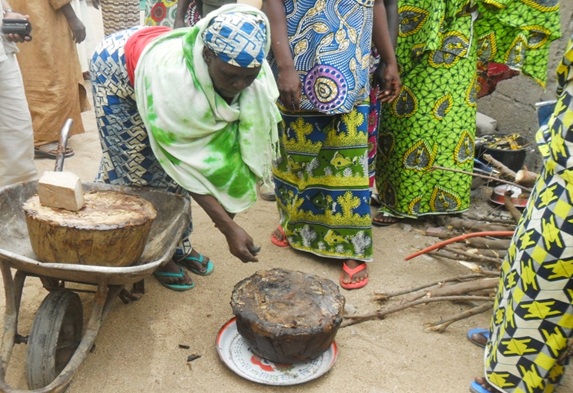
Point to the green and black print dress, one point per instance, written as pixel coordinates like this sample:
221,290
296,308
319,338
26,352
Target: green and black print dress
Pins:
433,121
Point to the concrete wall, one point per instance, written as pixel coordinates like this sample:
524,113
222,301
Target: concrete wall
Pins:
512,104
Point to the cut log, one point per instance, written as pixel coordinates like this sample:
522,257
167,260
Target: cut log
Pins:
62,190
287,316
525,177
111,230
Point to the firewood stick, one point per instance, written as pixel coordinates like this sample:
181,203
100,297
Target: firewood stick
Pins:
497,179
493,245
504,171
484,292
471,225
387,295
490,244
526,177
381,314
488,218
442,325
420,294
464,287
515,213
481,243
494,253
473,257
444,254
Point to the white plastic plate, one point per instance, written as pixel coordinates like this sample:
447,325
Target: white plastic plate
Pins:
235,353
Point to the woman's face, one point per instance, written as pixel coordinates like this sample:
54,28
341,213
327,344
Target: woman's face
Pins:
229,80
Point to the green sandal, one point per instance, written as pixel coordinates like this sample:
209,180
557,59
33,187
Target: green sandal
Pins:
174,287
186,261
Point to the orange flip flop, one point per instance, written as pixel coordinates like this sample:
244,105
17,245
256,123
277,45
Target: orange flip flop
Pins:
279,242
351,273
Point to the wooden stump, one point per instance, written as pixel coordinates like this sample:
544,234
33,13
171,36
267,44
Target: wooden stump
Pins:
111,230
287,316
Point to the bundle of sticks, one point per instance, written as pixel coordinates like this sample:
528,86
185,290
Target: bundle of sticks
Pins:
467,288
477,241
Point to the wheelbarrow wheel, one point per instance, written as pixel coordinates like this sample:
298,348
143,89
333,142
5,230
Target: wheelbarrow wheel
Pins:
56,333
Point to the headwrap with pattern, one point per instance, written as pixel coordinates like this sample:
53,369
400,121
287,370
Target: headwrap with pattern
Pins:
238,39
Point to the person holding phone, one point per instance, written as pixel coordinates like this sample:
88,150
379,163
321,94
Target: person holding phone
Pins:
17,146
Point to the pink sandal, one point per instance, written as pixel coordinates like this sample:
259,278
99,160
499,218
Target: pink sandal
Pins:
351,272
279,242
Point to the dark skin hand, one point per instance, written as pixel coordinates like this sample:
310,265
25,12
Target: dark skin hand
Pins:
288,80
391,8
240,243
76,26
17,37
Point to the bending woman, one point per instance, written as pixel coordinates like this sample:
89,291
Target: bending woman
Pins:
190,111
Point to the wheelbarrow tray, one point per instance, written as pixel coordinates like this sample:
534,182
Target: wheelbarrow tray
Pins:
172,217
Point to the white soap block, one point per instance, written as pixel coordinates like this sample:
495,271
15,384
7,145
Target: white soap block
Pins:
61,190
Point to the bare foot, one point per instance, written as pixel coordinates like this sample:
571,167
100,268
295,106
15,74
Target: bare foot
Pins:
278,237
485,384
479,339
354,278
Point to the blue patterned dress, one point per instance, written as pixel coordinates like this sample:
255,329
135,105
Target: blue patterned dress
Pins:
321,175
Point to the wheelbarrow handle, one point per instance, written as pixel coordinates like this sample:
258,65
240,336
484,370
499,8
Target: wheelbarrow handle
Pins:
62,144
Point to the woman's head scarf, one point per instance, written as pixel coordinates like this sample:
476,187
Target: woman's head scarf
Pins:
237,38
206,145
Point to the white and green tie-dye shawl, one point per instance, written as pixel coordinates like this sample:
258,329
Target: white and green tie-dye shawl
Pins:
206,145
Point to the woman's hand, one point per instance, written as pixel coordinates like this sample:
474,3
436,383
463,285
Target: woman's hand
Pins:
388,80
241,244
290,88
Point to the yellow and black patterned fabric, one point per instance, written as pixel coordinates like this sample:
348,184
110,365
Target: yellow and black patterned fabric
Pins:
533,317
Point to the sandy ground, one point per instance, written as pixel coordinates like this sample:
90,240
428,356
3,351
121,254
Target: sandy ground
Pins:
137,348
138,345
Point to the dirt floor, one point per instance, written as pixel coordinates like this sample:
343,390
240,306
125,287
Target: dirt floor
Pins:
138,346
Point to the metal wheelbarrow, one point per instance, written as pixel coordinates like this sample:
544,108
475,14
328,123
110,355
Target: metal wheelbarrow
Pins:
57,343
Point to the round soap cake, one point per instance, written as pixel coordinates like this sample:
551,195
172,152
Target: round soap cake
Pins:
287,316
110,230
